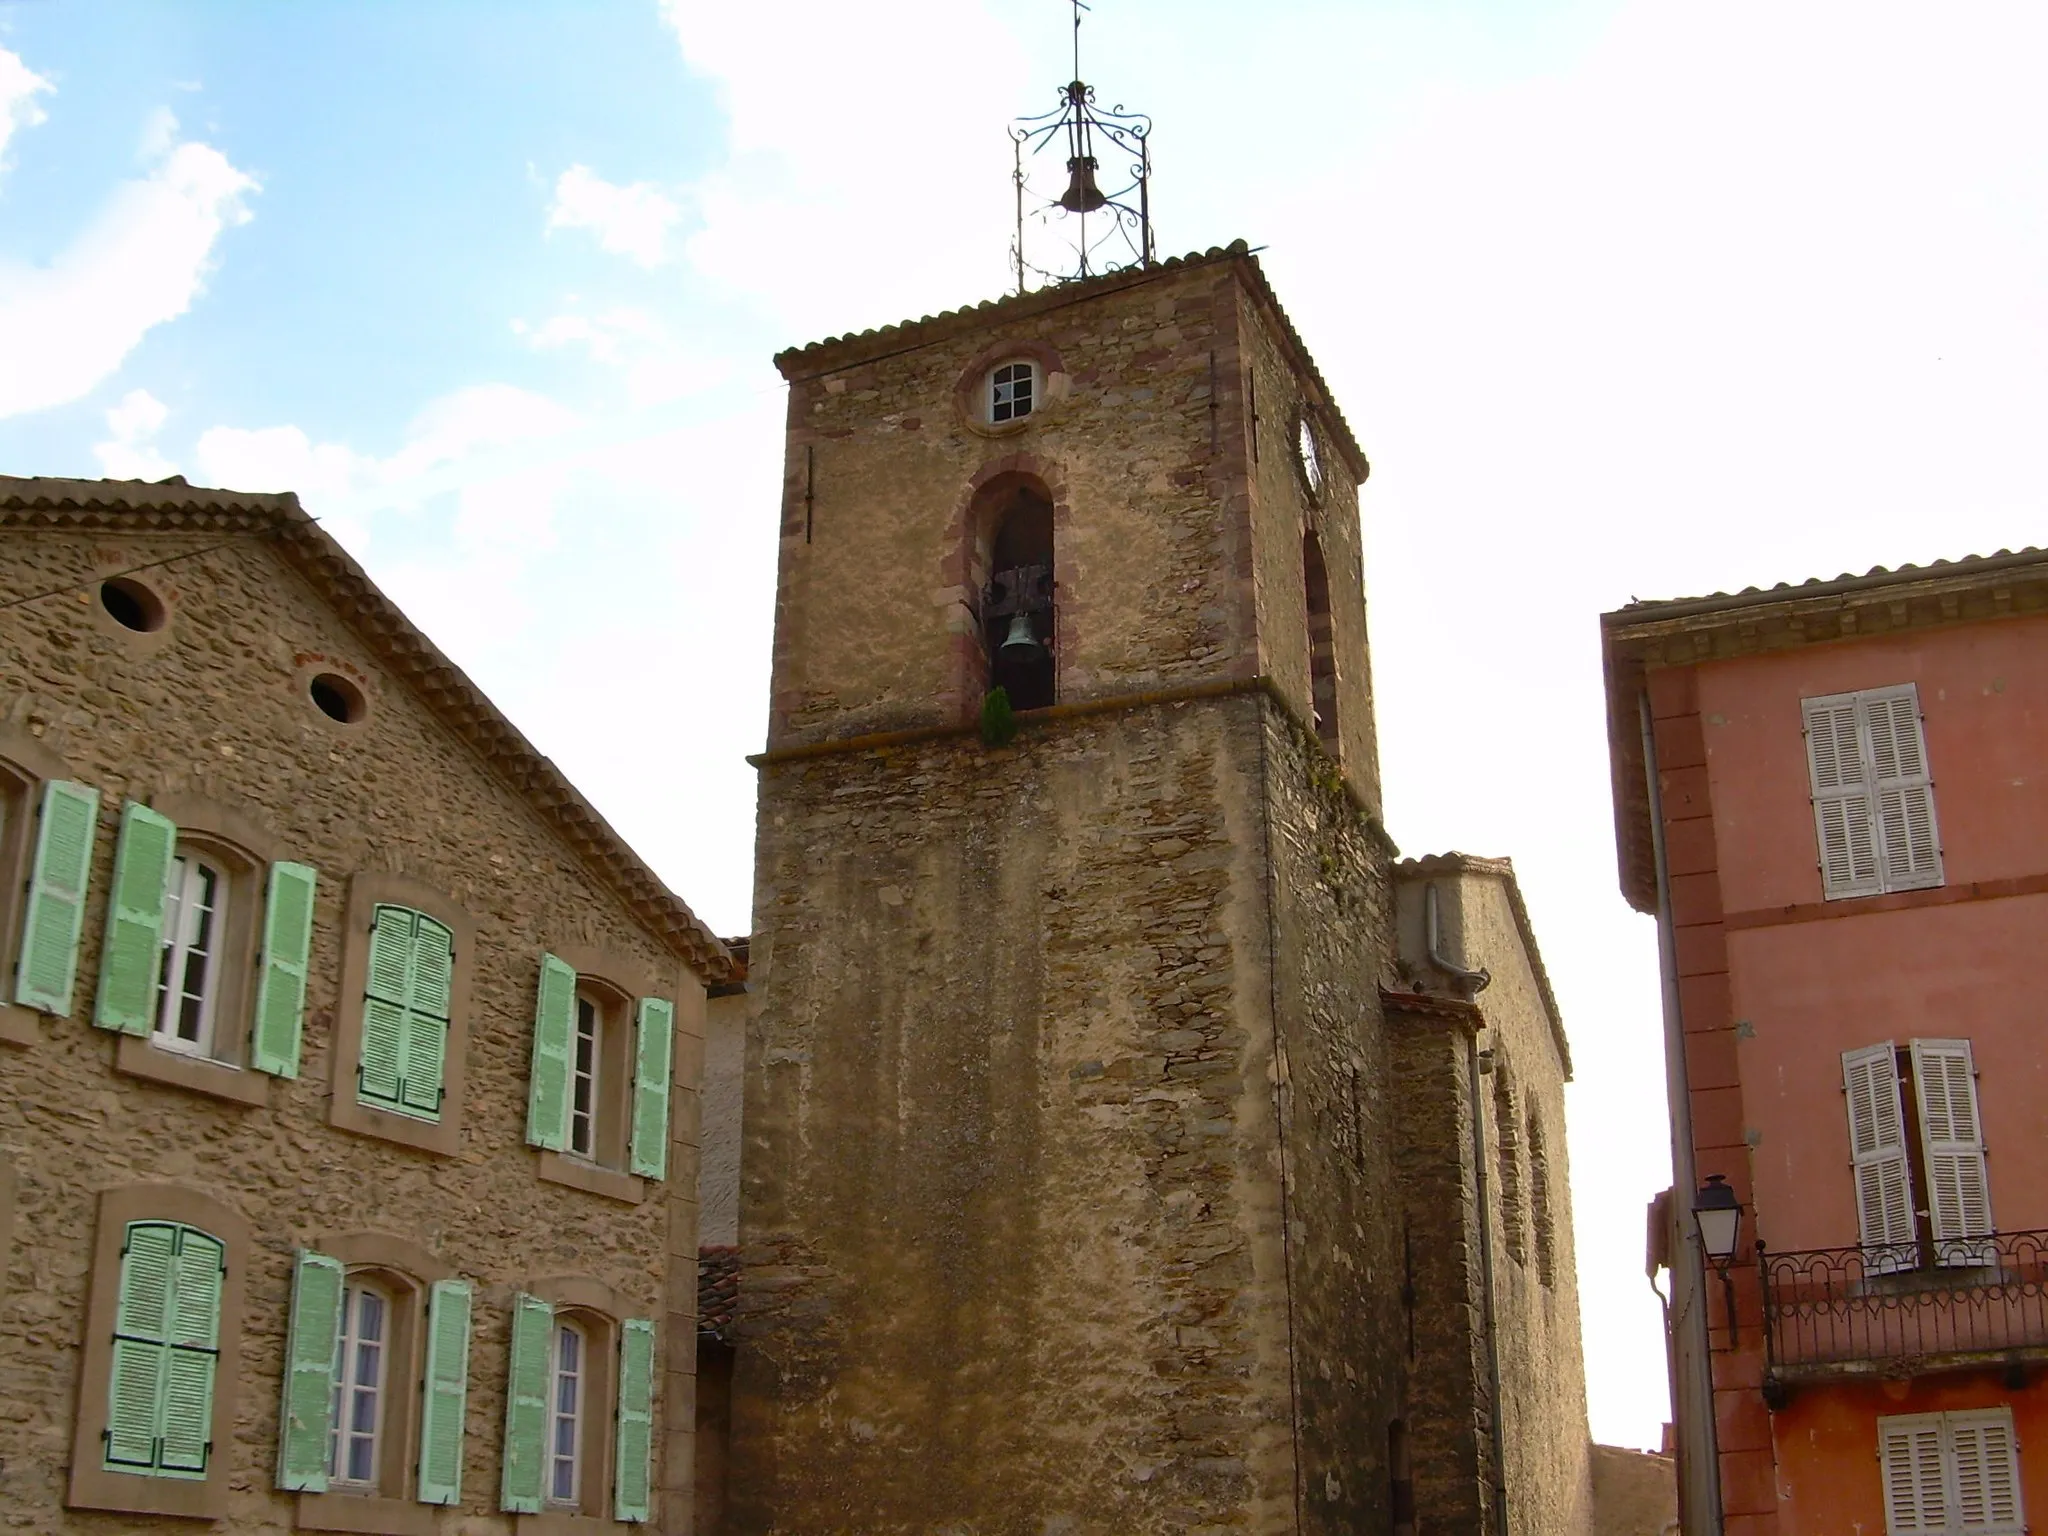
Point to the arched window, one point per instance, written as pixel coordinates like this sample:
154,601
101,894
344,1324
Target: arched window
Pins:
1507,1125
1540,1202
1013,563
1322,641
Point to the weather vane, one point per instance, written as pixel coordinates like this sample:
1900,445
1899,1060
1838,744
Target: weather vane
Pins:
1084,230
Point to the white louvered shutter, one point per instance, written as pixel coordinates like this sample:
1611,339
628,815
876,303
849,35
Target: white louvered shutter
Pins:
1984,1496
1877,1145
1841,798
1952,1137
1915,1479
1908,847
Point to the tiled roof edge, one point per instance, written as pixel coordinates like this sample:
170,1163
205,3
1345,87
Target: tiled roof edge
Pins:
445,688
1967,567
837,352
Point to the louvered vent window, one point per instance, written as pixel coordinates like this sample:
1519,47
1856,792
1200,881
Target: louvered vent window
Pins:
1873,794
1951,1474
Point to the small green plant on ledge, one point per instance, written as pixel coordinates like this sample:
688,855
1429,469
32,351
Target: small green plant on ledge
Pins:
998,720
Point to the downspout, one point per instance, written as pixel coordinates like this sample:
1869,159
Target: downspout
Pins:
1699,1386
1471,984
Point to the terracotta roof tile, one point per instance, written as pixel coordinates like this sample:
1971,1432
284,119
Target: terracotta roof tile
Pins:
174,506
1819,586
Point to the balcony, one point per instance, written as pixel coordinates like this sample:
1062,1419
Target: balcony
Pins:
1905,1310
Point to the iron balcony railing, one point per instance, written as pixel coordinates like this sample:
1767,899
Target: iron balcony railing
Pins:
1895,1308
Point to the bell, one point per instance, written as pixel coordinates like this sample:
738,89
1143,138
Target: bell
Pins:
1020,644
1082,195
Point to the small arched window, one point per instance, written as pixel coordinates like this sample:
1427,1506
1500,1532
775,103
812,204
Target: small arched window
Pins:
1322,642
1012,392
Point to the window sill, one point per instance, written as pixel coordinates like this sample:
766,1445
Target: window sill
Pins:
351,1114
132,1494
563,1522
364,1512
628,1188
135,1056
20,1026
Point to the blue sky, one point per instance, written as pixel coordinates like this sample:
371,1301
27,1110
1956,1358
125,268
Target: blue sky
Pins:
1623,298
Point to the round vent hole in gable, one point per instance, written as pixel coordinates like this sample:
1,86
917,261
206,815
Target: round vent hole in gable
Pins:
132,605
337,698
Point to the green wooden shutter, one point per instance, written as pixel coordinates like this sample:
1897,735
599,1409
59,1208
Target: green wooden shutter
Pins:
425,1059
56,897
446,1397
306,1417
194,1356
635,1443
526,1405
142,1329
554,1030
650,1086
387,1004
131,955
281,971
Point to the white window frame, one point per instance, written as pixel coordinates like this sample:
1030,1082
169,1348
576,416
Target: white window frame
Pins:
1003,409
349,1385
182,917
585,1076
576,1416
1931,1490
1867,815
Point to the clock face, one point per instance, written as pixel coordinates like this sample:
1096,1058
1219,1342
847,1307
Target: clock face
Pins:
1311,462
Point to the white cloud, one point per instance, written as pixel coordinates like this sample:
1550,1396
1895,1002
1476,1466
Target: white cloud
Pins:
825,241
632,220
474,435
637,345
130,453
19,88
67,326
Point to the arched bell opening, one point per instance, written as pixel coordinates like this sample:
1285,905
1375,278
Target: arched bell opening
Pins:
1013,569
1322,642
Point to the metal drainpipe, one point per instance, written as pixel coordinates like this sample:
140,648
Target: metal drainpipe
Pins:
1472,983
1684,1175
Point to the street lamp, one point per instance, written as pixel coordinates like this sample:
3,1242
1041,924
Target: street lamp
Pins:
1718,1214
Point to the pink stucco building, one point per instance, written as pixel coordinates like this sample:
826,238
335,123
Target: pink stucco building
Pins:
1834,798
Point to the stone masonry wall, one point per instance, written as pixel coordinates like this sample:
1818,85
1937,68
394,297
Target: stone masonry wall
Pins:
1543,1373
1449,1390
1333,927
718,1171
1012,1200
1535,1279
215,704
1138,438
1283,510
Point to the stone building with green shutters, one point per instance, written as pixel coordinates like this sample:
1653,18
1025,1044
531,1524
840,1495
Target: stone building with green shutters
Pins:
352,1060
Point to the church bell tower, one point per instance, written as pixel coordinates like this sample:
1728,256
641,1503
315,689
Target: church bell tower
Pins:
1067,1193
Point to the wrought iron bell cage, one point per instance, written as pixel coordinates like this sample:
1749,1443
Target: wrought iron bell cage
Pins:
1084,229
